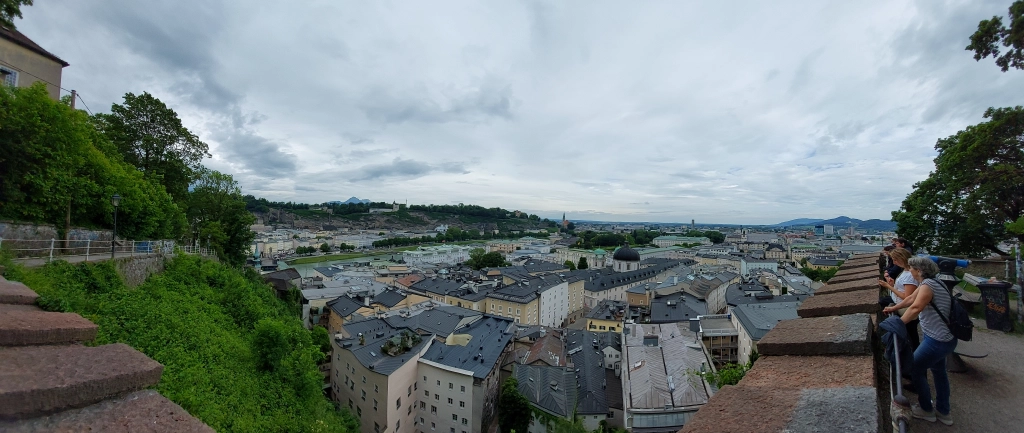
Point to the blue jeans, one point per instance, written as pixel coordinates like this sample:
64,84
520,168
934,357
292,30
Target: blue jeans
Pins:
931,355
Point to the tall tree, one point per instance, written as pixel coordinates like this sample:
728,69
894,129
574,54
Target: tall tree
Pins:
992,33
976,190
150,136
217,215
11,9
514,412
582,264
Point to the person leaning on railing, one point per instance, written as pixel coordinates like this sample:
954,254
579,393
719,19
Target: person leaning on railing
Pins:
901,285
938,341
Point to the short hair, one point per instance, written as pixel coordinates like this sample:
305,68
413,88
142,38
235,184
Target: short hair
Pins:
902,241
900,253
927,267
889,248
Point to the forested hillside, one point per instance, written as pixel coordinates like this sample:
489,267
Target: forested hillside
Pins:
235,356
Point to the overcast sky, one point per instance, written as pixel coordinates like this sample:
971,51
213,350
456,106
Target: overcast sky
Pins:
627,111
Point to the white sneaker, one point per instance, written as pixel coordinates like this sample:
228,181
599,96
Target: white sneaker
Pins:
946,419
922,414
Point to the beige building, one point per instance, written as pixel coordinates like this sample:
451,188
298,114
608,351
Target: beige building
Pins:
23,63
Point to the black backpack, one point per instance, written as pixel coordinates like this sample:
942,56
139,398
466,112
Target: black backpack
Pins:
959,323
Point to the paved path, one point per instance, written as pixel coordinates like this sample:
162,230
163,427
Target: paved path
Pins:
989,397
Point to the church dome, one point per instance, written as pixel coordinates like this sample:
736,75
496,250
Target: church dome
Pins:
599,252
626,254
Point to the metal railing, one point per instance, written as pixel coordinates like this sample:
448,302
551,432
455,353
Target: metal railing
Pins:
900,410
90,250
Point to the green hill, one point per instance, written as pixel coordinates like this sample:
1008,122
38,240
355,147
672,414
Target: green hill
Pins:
235,356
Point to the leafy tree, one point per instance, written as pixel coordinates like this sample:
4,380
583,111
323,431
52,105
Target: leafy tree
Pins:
582,264
322,339
514,412
976,190
217,213
992,33
10,9
325,248
56,168
149,135
569,264
346,247
715,236
479,260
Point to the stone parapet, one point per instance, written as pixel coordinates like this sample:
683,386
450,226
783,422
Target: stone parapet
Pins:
833,335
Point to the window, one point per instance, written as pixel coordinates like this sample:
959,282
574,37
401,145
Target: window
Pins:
462,404
439,383
450,400
465,421
409,412
9,76
376,388
409,393
423,405
398,424
463,388
437,397
509,310
364,379
424,378
398,403
363,391
452,430
376,427
433,426
433,409
359,411
415,385
374,404
517,311
455,417
451,385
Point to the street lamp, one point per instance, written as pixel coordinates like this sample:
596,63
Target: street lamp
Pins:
116,201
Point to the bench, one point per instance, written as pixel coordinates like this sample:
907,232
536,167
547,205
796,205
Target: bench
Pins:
964,349
967,299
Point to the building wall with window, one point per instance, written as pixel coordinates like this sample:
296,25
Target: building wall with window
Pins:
447,400
23,63
382,403
554,305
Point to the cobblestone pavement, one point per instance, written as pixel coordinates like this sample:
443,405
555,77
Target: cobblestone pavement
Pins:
989,397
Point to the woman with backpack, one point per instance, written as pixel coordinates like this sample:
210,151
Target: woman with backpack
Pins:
927,302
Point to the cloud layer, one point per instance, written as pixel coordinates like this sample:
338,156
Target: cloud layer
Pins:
660,111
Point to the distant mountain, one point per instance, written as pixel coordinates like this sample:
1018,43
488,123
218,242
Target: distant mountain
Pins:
356,200
798,222
842,222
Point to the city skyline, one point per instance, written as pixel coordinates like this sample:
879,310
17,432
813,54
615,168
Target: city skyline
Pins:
662,112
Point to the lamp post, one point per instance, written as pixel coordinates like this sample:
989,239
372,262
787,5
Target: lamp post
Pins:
116,201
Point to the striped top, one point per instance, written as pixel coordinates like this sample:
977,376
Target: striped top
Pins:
931,323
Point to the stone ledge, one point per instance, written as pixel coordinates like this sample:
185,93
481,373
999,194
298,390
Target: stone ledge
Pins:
847,286
13,292
842,335
742,408
142,411
21,328
865,275
811,372
39,380
856,268
836,304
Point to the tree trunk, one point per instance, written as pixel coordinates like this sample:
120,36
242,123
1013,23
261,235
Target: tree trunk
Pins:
67,227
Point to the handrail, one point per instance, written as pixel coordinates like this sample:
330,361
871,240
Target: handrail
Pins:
899,398
94,250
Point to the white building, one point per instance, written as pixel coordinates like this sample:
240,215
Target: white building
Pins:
439,254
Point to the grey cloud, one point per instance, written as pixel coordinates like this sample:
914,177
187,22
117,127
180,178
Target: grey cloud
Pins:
402,168
257,154
483,103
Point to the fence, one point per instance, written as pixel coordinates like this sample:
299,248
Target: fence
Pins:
79,250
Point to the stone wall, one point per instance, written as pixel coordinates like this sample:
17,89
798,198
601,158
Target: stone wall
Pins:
135,270
17,235
820,372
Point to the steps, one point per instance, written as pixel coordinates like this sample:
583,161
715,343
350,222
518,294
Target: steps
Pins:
25,326
49,381
39,380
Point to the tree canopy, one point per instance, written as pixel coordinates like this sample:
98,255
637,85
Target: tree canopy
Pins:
11,9
976,190
514,412
992,33
149,135
478,259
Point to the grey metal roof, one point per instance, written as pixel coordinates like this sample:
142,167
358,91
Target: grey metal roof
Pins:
678,307
758,319
327,271
608,279
591,387
389,298
440,320
344,306
535,383
370,354
489,336
607,309
438,286
283,274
